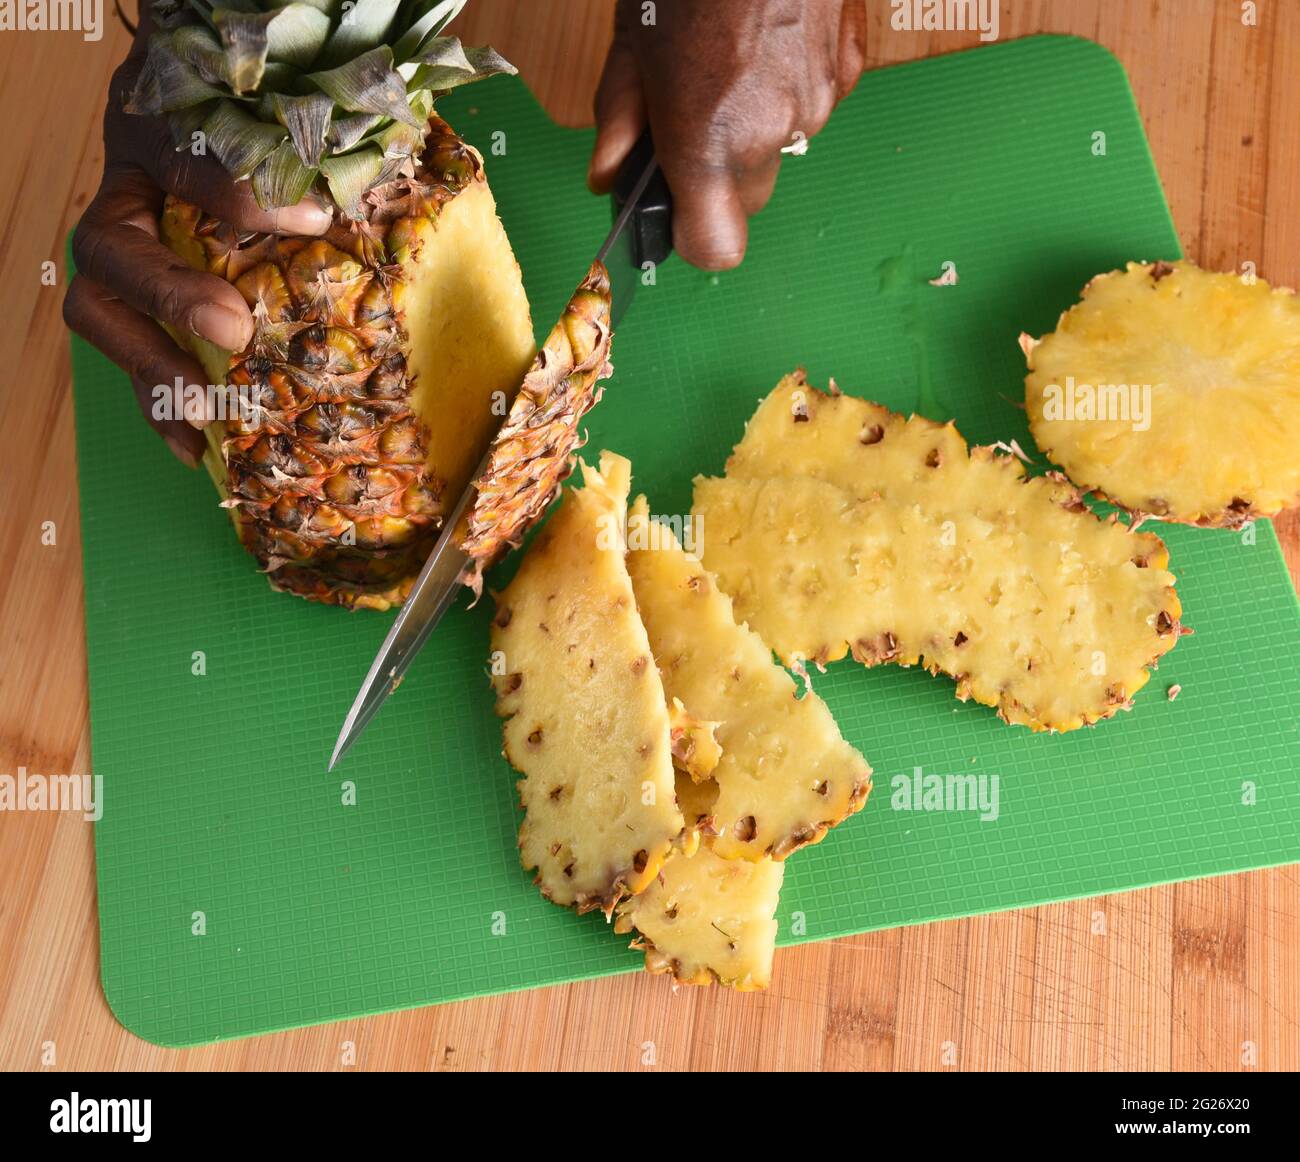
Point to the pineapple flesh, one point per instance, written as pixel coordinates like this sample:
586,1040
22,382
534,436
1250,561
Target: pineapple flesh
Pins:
586,715
785,774
1175,392
382,352
707,919
842,527
696,750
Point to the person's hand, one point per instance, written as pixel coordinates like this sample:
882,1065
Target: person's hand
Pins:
724,85
126,278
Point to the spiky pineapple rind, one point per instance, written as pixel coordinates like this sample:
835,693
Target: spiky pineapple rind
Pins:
531,455
324,465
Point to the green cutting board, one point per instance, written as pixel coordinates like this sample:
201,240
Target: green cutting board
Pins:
239,893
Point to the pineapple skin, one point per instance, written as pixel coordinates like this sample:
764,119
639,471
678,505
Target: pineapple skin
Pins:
785,775
708,920
531,455
586,715
1222,360
843,527
330,478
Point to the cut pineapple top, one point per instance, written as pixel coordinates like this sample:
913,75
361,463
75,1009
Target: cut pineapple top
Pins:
843,527
785,774
587,718
708,919
1175,392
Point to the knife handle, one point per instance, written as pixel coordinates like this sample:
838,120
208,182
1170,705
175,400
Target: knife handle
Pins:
650,229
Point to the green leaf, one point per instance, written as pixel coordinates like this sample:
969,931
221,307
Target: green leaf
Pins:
485,62
368,84
345,132
282,180
166,82
350,176
308,120
241,142
363,26
445,51
196,45
297,34
437,15
246,41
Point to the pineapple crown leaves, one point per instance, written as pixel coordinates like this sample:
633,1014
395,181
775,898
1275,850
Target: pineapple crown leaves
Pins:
287,92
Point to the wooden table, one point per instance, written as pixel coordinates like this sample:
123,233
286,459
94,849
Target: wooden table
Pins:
1190,976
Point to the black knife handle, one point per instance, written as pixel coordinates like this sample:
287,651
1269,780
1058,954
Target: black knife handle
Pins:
650,229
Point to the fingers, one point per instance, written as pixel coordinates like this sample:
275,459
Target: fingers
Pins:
200,179
203,181
116,246
755,185
709,220
147,354
851,55
620,117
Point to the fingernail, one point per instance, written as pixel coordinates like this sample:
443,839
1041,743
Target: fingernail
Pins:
222,326
307,217
182,452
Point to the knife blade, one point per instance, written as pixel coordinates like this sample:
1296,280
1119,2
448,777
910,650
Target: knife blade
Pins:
641,234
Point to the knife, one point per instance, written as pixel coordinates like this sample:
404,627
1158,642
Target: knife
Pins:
641,234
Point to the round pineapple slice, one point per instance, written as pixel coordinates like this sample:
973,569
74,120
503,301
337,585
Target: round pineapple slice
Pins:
1175,392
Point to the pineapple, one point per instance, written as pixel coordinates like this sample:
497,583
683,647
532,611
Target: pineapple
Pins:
696,750
385,350
841,527
785,775
1174,392
708,919
587,718
531,455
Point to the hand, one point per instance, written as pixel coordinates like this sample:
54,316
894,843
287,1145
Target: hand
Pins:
126,278
724,85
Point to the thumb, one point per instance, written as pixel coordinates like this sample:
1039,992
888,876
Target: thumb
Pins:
620,117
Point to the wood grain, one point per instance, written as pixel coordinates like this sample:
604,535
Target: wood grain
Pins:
1204,975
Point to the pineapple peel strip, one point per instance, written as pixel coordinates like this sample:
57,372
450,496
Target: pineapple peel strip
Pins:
784,773
532,454
841,527
586,716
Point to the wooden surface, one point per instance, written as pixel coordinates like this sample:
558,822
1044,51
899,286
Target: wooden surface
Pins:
1190,976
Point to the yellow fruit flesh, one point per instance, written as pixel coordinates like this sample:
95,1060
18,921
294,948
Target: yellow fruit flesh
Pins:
1174,391
843,527
471,340
587,718
696,750
707,919
785,774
